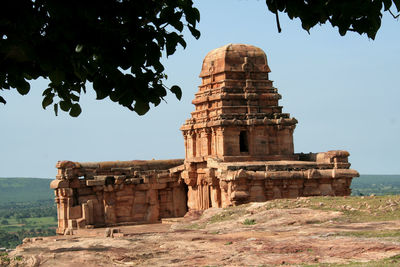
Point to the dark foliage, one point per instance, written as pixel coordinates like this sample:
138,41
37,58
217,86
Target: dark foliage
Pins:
22,212
115,45
34,209
13,239
361,16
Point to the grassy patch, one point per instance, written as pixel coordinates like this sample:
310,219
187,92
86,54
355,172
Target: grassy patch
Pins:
388,262
195,226
227,214
249,222
390,234
354,209
4,259
18,258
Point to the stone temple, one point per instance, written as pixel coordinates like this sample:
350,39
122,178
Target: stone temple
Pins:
238,149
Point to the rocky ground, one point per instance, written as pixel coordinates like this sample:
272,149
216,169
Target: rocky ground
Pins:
320,231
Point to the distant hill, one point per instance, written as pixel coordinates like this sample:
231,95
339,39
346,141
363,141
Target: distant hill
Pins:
25,190
368,184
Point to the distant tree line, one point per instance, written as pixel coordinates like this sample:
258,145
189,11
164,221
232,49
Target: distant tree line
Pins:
20,212
11,240
379,185
34,209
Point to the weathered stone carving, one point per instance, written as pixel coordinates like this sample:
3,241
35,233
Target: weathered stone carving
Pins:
238,148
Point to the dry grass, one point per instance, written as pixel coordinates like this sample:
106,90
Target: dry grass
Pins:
354,209
388,262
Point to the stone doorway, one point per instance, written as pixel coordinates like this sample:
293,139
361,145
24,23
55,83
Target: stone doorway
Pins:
243,142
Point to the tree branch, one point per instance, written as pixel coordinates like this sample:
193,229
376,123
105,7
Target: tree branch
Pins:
277,18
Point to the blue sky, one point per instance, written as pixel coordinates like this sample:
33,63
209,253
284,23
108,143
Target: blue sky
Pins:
344,91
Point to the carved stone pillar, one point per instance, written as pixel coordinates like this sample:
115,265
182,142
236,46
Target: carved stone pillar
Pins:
213,142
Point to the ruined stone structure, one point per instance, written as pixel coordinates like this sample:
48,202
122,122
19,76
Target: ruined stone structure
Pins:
109,193
238,148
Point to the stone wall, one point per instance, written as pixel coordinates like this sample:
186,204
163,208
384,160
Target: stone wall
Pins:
111,193
221,184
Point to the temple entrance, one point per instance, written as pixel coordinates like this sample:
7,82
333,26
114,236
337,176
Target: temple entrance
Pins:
243,142
186,190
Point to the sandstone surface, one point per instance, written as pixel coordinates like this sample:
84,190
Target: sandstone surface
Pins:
273,233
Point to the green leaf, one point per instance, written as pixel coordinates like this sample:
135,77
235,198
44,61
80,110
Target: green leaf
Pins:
342,31
197,14
141,108
23,87
166,14
65,105
27,76
182,42
48,100
194,31
100,94
192,16
172,40
75,110
387,4
178,25
57,76
47,91
156,101
81,74
56,109
177,91
158,67
74,97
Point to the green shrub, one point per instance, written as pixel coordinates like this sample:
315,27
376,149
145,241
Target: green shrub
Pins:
249,222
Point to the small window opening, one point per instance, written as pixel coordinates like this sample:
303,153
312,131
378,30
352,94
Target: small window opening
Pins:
75,197
243,142
209,198
110,181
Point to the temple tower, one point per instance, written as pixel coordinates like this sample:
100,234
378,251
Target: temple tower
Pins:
237,116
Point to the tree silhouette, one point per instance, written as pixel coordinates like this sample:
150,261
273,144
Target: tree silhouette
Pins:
117,45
